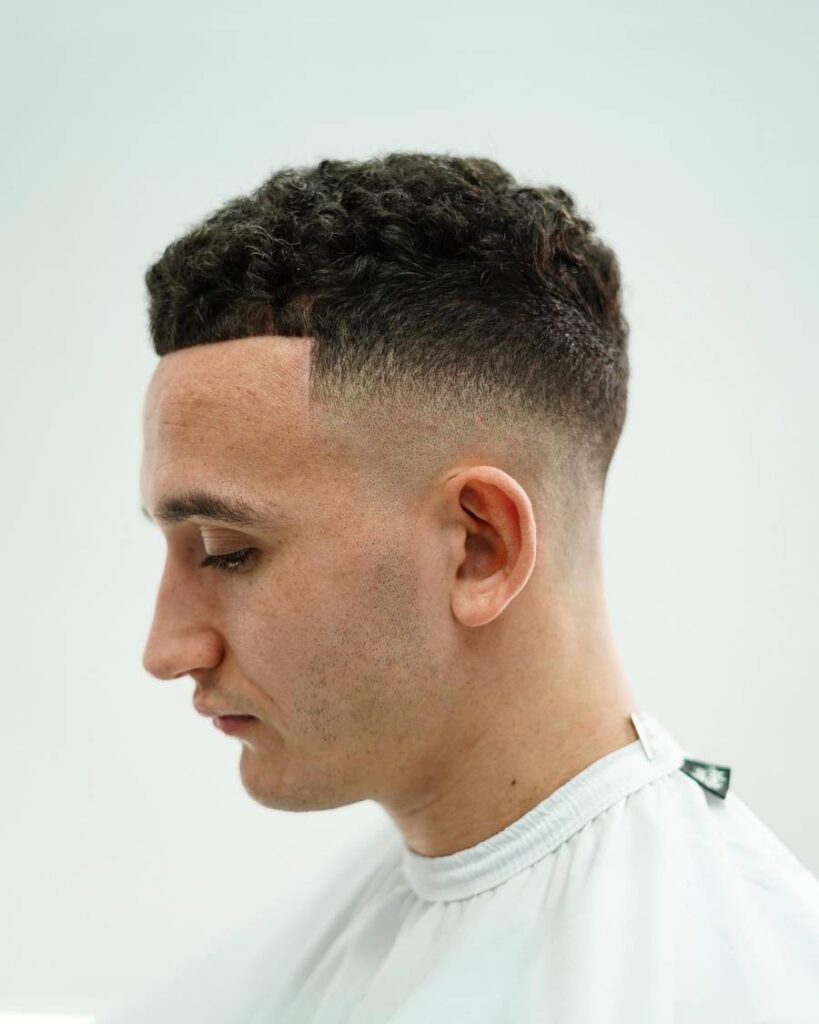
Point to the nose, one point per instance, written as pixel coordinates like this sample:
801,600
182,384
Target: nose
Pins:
169,657
172,656
180,640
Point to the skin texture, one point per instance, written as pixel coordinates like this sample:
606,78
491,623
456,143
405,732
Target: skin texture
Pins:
416,653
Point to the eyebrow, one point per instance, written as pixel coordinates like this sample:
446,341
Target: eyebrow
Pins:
204,505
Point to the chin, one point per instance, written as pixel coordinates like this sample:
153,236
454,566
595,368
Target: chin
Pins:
268,787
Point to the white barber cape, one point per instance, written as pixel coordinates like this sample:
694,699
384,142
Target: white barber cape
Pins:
634,894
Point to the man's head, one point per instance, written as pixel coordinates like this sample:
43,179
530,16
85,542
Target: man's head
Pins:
416,370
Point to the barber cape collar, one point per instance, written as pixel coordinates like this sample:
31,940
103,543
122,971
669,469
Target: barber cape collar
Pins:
714,777
564,812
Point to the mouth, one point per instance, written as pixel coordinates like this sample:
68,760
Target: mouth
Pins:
231,724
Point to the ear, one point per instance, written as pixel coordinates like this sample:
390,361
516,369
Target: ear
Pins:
498,542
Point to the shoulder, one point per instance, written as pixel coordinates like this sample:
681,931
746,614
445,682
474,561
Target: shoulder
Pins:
712,908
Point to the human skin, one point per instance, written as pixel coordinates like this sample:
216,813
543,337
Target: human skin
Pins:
419,654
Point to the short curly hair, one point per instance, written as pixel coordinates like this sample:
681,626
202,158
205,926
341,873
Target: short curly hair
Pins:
430,284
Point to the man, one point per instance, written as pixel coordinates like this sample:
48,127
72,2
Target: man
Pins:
377,442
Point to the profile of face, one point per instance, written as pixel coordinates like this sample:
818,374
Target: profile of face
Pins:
343,631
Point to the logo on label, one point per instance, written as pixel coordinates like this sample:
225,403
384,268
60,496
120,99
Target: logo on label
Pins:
714,777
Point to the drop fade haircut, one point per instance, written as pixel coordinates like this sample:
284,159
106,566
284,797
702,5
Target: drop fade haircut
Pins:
450,308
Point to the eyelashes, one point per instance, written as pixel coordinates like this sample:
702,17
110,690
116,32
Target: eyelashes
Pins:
231,562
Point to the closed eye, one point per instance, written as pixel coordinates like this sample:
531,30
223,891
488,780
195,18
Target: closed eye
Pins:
230,562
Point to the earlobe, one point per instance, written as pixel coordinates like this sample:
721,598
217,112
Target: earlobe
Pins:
499,546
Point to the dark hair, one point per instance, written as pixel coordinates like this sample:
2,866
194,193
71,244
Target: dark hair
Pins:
428,282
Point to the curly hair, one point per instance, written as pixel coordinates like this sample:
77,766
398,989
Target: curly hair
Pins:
433,287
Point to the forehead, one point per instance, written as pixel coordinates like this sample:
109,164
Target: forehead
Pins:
236,412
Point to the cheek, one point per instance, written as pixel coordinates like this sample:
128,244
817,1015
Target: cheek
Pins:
390,655
366,635
345,639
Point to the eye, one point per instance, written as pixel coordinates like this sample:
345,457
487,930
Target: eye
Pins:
230,562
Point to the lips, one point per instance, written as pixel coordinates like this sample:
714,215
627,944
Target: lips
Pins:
208,712
232,724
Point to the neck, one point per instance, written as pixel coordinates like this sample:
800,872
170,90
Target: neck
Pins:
538,700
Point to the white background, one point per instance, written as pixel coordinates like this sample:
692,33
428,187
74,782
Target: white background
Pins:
685,131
